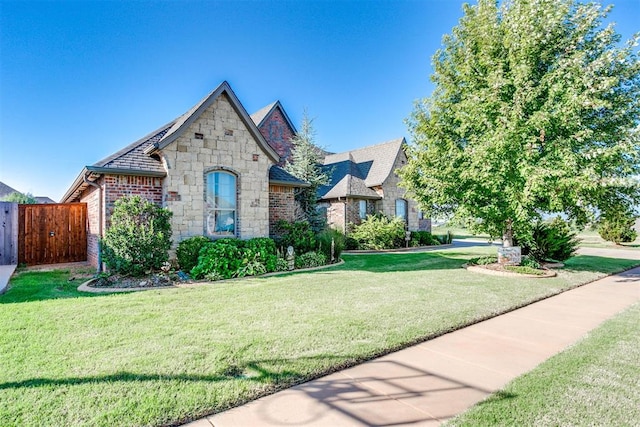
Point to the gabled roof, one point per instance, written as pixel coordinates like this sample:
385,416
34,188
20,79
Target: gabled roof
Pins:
354,173
261,115
378,159
5,190
183,122
137,158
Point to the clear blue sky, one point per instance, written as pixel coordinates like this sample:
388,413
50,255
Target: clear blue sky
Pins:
79,80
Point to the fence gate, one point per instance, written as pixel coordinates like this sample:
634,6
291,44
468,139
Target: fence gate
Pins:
52,233
8,233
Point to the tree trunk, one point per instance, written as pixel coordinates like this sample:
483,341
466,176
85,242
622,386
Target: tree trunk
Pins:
507,236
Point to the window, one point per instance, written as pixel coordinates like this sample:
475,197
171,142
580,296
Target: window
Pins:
363,209
220,206
401,209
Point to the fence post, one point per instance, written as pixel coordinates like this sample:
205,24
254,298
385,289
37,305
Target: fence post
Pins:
8,233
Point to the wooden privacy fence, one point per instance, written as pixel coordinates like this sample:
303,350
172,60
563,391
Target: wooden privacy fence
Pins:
8,233
52,233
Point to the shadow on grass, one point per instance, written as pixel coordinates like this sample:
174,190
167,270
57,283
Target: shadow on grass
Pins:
256,371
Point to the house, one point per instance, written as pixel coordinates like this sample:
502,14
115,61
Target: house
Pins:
6,190
214,167
363,182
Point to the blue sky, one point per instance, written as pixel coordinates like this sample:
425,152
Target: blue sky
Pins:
79,80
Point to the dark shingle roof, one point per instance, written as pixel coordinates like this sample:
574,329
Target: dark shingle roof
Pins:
277,175
354,173
133,156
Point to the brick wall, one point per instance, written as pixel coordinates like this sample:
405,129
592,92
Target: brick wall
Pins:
282,206
278,134
391,192
91,196
117,186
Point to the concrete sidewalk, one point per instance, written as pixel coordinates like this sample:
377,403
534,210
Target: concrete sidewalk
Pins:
5,274
427,384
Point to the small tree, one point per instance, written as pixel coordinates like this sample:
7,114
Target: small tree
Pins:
304,164
617,227
20,198
139,237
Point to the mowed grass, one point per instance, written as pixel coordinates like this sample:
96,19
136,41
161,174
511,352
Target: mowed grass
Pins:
593,383
162,357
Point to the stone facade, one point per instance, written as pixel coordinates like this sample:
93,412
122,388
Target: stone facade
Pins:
217,140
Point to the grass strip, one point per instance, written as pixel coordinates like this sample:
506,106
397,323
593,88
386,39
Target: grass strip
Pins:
592,383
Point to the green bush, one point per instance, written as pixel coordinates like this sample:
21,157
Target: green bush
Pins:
324,240
528,261
445,239
188,251
351,244
618,228
423,238
297,234
139,237
228,258
310,259
551,241
483,260
379,232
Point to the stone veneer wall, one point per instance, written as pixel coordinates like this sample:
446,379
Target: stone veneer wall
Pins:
282,206
226,144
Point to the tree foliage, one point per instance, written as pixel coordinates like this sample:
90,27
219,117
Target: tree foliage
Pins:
305,164
20,198
535,110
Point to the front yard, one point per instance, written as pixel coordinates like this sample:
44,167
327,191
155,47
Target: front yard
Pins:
166,356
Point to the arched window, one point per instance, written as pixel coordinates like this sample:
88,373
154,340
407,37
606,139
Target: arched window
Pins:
402,209
220,204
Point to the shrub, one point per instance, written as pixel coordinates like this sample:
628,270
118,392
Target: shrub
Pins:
618,228
222,258
324,243
483,260
351,244
228,258
188,251
379,232
297,234
528,261
445,239
551,240
423,238
139,237
310,259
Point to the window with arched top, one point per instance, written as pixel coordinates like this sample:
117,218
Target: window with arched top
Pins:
220,204
402,210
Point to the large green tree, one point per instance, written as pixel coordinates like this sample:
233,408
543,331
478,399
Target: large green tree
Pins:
305,164
535,110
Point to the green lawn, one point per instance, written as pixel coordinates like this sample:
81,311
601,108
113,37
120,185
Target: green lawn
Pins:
591,239
593,383
166,356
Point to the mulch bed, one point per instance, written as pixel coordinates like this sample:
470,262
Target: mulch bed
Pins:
117,281
499,270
